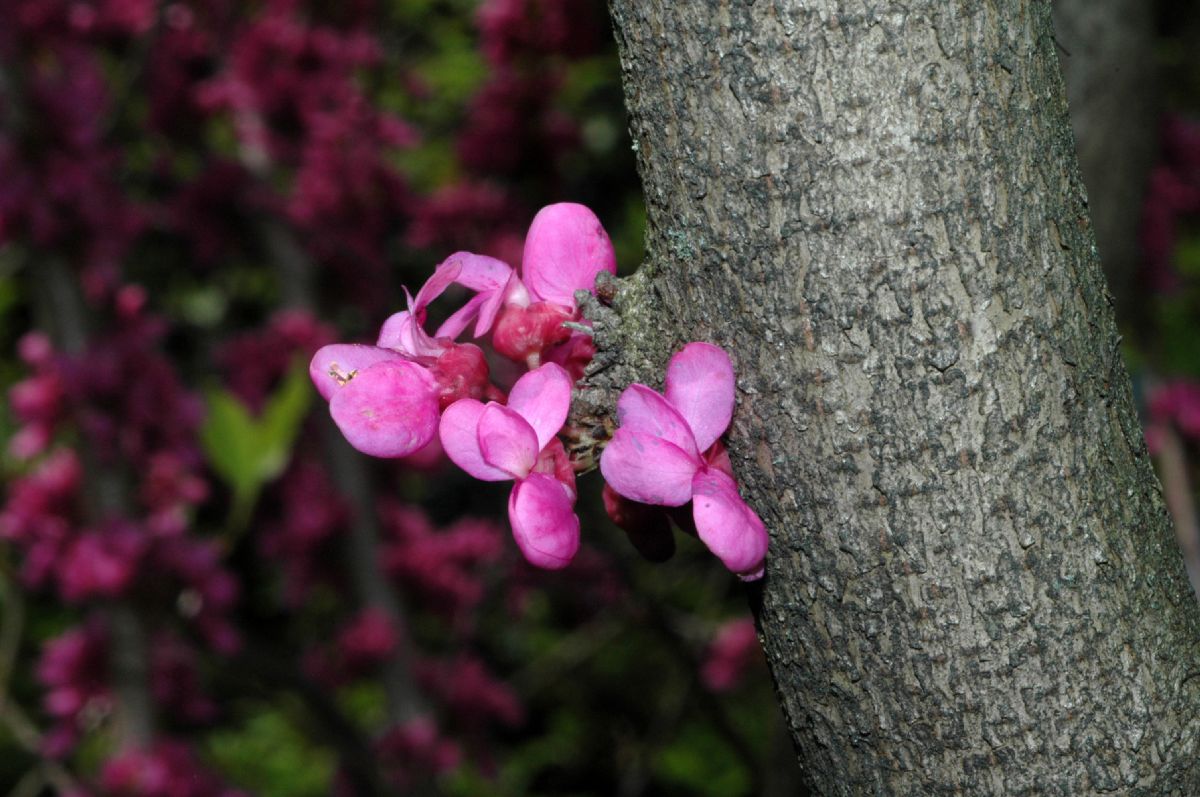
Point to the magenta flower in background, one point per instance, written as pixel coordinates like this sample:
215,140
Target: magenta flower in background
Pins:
495,442
665,453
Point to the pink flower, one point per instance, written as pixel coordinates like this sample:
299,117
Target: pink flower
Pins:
386,398
665,453
565,249
494,442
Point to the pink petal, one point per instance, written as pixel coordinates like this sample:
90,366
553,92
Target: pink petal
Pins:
445,275
335,365
565,248
642,410
507,441
402,333
459,432
543,398
727,525
479,272
543,520
646,468
513,292
387,410
700,385
461,318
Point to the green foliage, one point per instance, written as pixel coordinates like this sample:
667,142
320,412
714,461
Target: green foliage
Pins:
700,762
249,452
272,758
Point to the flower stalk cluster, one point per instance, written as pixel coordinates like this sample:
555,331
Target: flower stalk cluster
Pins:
394,399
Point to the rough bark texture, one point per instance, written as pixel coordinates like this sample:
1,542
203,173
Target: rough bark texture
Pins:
972,586
1107,52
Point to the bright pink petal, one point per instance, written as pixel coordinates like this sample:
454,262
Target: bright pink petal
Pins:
543,520
700,385
543,398
459,432
565,248
402,333
387,410
729,527
335,365
445,275
507,441
461,318
642,410
513,292
646,468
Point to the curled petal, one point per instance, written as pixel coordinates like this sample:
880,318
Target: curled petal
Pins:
543,398
648,469
544,523
565,248
459,432
700,384
461,318
335,365
640,409
507,441
729,527
402,333
445,275
387,410
479,272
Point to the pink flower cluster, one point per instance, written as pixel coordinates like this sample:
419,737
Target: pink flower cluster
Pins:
391,399
1172,196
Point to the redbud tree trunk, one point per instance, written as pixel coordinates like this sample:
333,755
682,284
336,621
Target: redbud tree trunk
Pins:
972,586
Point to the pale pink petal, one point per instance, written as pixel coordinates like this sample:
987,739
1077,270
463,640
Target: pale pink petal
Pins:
565,248
700,385
402,333
543,520
729,527
387,410
459,432
479,272
543,398
642,410
335,365
507,441
646,468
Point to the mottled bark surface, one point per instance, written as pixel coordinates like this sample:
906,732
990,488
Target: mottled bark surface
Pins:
972,586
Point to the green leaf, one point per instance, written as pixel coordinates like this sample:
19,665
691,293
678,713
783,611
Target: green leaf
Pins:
281,420
231,440
248,452
272,757
698,760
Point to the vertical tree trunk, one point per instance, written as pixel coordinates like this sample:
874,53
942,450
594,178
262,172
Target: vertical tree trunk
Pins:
972,586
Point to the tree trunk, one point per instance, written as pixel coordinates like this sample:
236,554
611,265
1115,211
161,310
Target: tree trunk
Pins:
972,586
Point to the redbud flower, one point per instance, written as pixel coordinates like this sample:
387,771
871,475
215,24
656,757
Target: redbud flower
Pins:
386,398
665,453
494,442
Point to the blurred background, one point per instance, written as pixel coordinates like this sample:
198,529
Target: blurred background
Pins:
203,590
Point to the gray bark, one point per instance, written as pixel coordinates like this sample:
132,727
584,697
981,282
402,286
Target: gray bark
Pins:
972,586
